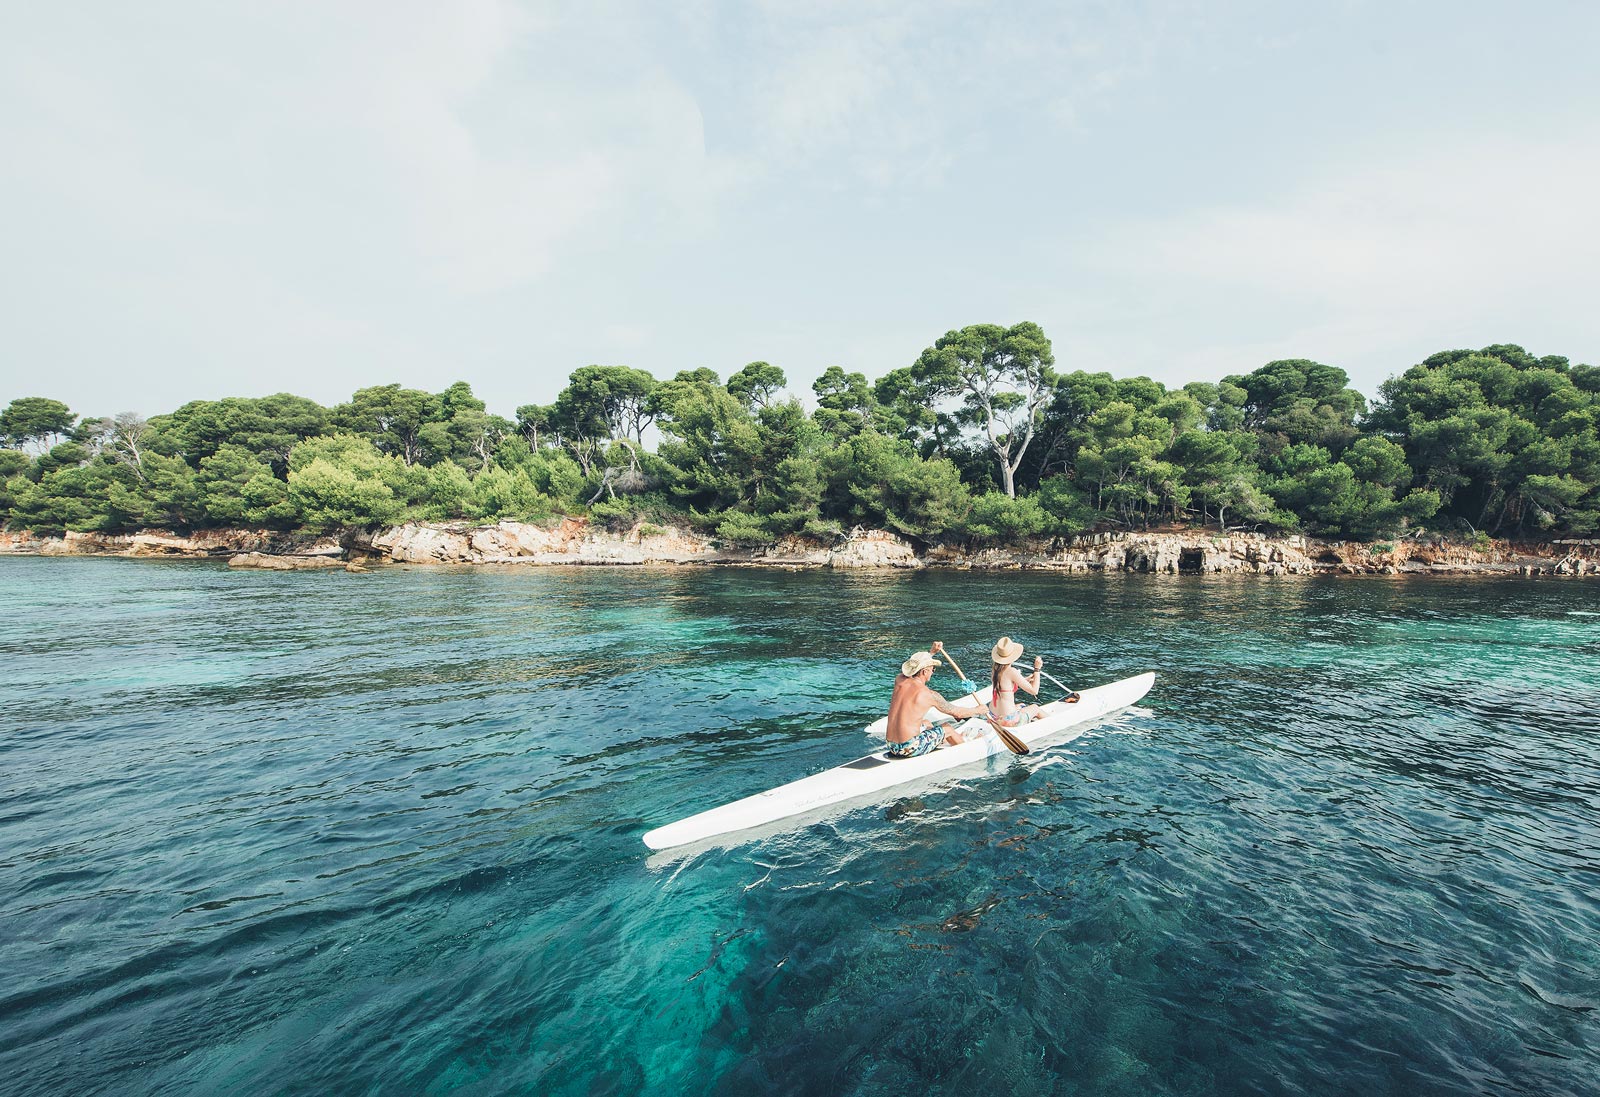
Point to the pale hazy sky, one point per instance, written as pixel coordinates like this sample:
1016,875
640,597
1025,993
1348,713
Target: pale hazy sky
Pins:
206,199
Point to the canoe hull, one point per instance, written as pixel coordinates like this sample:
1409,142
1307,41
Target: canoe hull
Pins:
876,772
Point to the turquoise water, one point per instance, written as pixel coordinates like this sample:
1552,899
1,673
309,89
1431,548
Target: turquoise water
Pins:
331,834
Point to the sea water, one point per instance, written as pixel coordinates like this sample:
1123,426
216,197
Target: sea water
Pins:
322,833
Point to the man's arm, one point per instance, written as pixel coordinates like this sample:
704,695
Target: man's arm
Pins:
938,702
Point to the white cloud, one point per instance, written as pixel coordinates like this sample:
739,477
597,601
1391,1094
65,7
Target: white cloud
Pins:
1437,224
311,195
1368,262
413,134
867,94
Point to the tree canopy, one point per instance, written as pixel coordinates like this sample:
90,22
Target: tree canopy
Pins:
978,438
1001,378
34,419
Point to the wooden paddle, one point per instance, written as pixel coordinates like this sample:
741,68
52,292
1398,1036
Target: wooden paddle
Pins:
1071,697
1012,743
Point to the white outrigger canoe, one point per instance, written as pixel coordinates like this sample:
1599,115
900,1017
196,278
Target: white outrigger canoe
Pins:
876,772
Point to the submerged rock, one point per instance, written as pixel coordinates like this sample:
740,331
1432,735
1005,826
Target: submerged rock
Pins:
964,920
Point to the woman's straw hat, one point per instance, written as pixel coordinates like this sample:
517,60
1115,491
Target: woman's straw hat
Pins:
1006,651
919,662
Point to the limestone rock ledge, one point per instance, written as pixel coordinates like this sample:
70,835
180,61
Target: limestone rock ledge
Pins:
283,563
159,542
873,548
1195,552
574,541
1173,552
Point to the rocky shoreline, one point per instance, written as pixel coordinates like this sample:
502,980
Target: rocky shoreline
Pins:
575,541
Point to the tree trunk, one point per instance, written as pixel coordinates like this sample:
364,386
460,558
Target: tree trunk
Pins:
633,452
1500,519
605,486
581,454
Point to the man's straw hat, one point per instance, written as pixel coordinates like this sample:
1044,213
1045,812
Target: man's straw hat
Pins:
919,662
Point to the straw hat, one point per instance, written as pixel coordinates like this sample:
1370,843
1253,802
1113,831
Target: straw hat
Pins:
919,662
1006,651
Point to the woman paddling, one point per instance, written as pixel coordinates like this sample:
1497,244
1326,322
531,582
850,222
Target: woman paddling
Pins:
1007,680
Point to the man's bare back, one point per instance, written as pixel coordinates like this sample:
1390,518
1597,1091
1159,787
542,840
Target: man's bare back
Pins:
912,699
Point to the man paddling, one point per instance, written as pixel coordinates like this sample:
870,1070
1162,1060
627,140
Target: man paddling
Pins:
909,733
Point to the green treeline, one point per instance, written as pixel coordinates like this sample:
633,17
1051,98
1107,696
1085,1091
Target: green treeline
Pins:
980,439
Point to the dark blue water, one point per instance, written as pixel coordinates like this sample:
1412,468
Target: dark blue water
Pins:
334,834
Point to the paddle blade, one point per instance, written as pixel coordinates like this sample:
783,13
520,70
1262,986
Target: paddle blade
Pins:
1009,739
1013,744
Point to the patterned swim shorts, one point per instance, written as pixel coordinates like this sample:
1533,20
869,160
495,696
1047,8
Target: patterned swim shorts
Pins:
922,742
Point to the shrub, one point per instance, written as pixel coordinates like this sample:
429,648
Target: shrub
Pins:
329,496
1066,506
509,493
822,529
744,529
996,516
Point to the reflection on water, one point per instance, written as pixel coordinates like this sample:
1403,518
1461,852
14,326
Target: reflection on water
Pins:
316,833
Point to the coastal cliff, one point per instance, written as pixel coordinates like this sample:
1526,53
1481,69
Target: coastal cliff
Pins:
575,541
